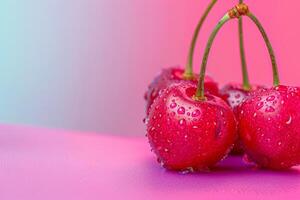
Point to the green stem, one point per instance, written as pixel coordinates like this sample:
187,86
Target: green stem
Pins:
276,81
188,74
246,83
200,90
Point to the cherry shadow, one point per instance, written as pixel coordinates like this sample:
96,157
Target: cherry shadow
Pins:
230,175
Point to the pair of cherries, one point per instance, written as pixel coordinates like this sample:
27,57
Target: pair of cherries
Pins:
189,129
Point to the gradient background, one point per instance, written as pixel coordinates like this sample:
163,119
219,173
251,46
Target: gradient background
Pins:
85,64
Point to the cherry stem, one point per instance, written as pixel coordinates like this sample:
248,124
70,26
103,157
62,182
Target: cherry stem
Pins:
234,13
200,89
246,83
276,80
188,74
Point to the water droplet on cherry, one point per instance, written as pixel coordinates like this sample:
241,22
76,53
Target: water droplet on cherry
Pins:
181,110
173,105
289,121
270,109
270,98
279,143
182,122
259,105
196,113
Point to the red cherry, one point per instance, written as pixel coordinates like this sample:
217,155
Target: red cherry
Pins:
269,123
174,75
188,134
234,95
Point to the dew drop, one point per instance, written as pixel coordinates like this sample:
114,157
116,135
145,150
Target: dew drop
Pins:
279,143
258,129
166,150
182,122
221,112
187,171
270,109
237,96
181,110
168,121
259,105
173,105
196,113
282,102
146,120
152,129
289,121
270,98
160,115
255,114
195,127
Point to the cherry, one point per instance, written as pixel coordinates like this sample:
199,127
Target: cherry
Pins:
269,123
234,95
189,134
174,75
269,120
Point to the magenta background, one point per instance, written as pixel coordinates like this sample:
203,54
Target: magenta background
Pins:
85,64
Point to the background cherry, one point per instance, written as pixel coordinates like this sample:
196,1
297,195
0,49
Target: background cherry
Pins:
234,95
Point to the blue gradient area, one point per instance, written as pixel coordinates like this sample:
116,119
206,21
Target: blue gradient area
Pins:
38,62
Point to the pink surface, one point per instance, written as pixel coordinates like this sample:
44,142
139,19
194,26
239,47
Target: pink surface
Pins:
46,164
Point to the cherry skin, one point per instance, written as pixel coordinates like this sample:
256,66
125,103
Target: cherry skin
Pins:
188,134
174,75
234,95
269,123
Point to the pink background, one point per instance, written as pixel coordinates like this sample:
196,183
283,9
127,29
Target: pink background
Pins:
85,64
